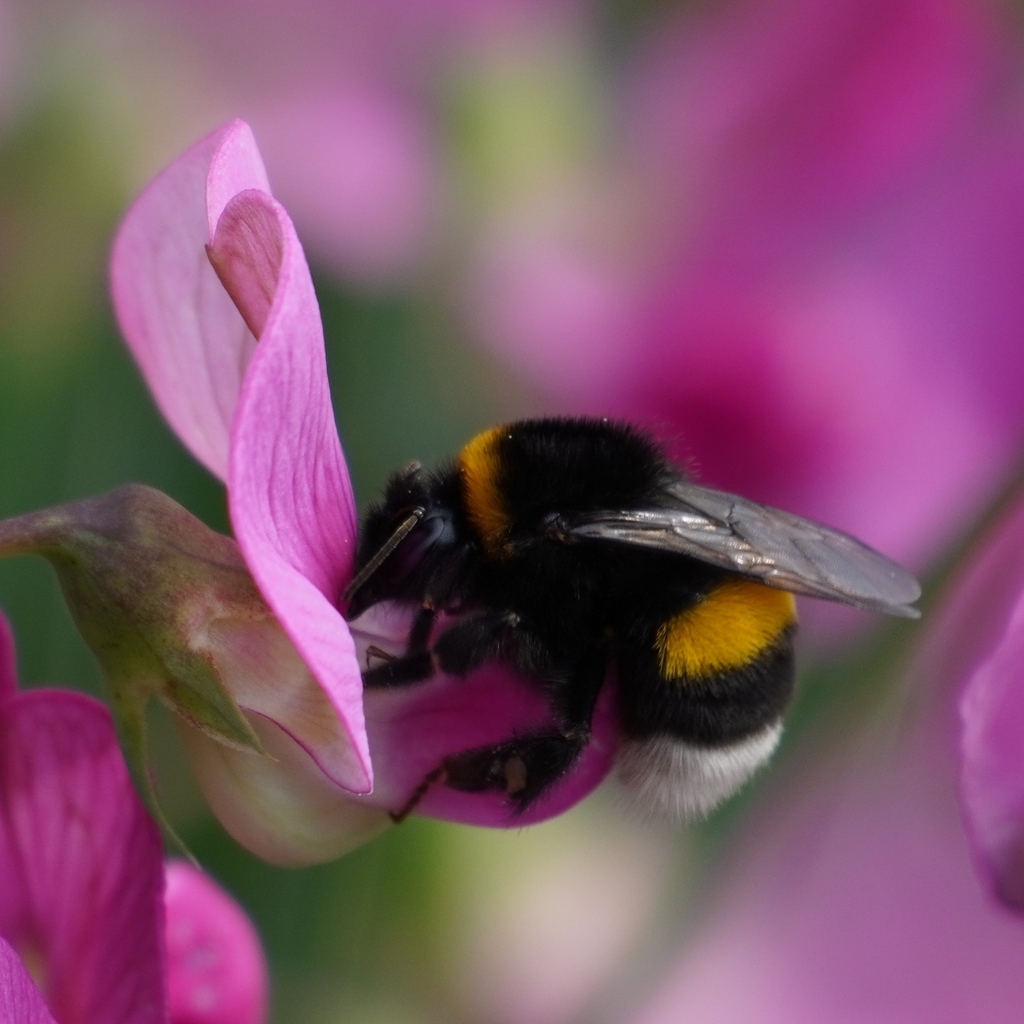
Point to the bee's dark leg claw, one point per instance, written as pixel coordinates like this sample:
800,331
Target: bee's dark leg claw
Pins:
412,668
437,775
416,665
373,651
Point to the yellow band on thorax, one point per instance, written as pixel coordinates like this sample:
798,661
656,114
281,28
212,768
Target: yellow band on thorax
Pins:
728,629
480,470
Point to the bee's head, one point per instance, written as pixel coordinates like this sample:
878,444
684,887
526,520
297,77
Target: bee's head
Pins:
399,538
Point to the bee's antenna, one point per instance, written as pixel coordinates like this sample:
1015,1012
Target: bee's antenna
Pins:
403,530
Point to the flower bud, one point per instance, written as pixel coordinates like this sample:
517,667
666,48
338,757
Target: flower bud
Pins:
160,598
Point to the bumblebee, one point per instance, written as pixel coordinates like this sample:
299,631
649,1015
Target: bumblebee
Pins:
568,547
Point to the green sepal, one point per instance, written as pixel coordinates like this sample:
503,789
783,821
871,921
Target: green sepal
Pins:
143,579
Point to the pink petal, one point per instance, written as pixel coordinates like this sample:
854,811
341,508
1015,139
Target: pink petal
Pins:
186,334
412,730
8,660
20,1000
284,809
236,165
246,253
975,618
977,644
216,973
411,733
992,779
281,806
262,670
291,500
85,895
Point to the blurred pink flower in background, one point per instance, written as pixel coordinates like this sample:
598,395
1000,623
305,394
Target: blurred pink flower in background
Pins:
804,273
259,414
853,894
347,109
544,918
359,168
82,880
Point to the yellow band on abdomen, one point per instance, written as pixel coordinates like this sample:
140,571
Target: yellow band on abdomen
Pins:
727,629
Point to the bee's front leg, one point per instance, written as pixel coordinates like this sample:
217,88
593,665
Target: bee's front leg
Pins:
416,665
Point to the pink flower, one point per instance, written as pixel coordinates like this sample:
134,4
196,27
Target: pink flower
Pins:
258,415
82,915
817,300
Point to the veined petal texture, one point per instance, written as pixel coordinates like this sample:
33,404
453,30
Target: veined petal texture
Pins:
290,497
186,334
82,862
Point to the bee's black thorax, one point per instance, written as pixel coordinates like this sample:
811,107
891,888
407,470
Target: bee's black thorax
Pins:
513,478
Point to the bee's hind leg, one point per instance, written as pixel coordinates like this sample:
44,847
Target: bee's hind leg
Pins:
521,768
526,766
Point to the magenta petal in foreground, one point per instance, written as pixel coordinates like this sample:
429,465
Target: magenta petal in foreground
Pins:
290,496
186,334
216,973
20,1001
87,896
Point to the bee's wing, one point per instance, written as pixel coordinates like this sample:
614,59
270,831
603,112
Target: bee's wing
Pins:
766,544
